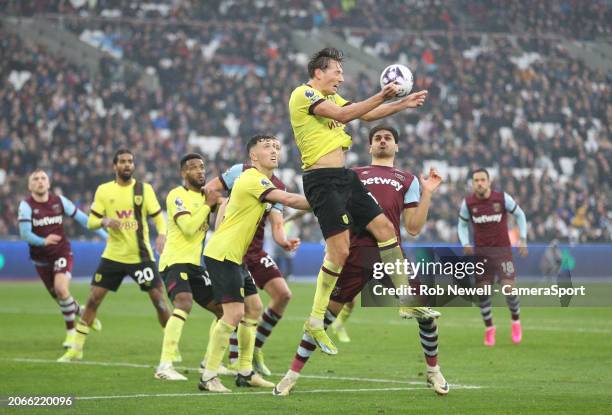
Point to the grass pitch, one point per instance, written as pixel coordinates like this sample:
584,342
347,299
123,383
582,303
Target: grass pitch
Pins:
563,365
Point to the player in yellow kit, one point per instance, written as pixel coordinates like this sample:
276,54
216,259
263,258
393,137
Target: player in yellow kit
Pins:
338,198
180,263
233,287
122,207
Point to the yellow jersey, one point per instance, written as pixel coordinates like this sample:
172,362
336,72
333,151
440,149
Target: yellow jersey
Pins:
315,136
243,213
130,243
182,248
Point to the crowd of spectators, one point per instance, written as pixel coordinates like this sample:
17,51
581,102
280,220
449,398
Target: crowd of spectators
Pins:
520,105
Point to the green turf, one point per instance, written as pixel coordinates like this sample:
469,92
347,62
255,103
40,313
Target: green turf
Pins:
563,365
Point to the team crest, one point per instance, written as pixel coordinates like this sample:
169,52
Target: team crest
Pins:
497,207
56,208
36,211
345,219
184,276
365,172
138,200
98,277
475,210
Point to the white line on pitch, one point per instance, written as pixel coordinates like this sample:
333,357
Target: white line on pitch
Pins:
443,323
203,394
306,376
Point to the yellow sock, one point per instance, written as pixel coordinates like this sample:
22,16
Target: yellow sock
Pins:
211,330
246,345
326,281
172,334
218,345
82,330
344,314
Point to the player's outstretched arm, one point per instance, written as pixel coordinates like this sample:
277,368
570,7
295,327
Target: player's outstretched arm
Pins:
415,217
288,199
411,101
278,232
79,216
355,110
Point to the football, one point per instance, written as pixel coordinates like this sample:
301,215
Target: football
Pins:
400,75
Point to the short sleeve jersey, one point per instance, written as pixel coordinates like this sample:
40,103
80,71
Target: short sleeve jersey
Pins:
243,214
118,202
315,136
180,248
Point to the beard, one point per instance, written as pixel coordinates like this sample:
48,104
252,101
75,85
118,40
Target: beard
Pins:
125,176
197,183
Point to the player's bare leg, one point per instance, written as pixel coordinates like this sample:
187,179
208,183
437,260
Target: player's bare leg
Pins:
337,251
172,334
280,295
338,328
161,307
305,349
390,252
75,352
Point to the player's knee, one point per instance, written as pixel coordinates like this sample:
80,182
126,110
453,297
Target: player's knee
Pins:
183,301
284,297
234,317
339,255
386,230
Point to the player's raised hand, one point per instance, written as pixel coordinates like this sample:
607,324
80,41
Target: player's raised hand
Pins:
432,182
389,91
416,100
291,244
52,239
213,196
111,223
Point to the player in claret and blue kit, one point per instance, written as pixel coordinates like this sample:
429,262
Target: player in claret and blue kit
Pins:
488,210
41,218
398,193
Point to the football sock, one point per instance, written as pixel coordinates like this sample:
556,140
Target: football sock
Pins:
326,281
217,347
308,345
486,310
345,313
213,324
391,253
514,305
233,347
82,330
69,309
246,344
428,333
266,324
172,334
